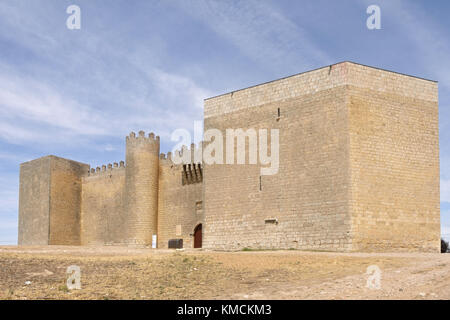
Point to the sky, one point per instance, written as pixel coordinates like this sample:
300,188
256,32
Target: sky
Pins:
148,65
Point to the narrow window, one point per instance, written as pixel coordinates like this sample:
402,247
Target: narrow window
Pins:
260,183
279,112
271,221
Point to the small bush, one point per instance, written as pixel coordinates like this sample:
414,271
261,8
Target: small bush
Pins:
444,246
63,288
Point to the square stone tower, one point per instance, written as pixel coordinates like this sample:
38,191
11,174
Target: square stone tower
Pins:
50,201
358,164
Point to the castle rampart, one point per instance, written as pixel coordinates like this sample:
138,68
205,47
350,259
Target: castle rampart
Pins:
358,171
102,206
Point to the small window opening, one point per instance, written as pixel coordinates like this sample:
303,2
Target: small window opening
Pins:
271,221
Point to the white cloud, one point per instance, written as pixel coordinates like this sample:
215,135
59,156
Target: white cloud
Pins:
260,31
109,148
180,89
56,103
430,40
33,101
35,110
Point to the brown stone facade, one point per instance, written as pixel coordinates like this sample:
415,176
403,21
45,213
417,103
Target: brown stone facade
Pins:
50,201
358,171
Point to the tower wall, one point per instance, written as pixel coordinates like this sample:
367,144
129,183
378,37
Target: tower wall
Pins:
34,202
305,205
50,201
394,161
141,188
359,164
65,201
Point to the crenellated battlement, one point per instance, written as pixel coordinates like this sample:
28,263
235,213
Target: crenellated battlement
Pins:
140,137
186,161
188,156
104,169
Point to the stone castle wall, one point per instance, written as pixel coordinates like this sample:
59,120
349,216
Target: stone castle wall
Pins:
118,202
359,164
180,205
311,82
103,207
394,156
358,171
50,201
309,196
34,204
65,201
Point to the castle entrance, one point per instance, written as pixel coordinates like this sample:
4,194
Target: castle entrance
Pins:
198,236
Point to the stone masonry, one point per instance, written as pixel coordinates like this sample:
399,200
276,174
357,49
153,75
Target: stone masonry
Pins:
358,171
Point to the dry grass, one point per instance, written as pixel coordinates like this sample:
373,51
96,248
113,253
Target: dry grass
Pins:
120,273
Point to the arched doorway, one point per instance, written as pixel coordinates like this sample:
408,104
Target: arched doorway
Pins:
198,236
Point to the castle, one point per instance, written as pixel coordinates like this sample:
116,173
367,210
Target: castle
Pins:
358,171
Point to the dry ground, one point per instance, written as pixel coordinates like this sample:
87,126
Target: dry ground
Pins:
127,273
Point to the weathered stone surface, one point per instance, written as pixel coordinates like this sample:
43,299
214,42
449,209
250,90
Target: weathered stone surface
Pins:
50,201
359,171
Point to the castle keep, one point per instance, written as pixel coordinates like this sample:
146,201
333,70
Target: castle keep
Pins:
358,171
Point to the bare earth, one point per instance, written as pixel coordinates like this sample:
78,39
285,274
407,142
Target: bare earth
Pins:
129,273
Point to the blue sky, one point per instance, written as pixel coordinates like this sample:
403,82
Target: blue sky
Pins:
149,64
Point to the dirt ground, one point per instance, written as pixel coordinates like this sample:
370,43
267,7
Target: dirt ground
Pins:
129,273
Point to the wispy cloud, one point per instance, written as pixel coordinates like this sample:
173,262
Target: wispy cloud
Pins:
429,37
35,103
46,115
260,31
149,65
131,93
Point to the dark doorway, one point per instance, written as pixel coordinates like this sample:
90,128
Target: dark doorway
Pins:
198,236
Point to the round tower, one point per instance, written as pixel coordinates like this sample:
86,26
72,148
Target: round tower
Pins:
141,188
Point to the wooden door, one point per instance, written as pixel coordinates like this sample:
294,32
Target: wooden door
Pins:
198,236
